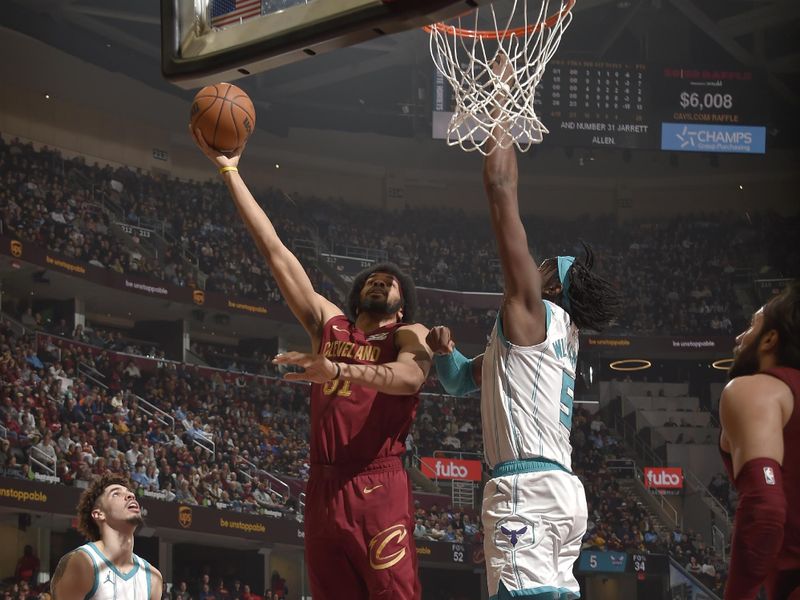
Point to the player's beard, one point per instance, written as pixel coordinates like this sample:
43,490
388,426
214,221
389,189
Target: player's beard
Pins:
137,520
745,361
380,306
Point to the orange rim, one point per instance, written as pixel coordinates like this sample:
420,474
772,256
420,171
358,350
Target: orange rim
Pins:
490,33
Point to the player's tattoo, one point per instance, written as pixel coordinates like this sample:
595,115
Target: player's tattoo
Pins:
59,572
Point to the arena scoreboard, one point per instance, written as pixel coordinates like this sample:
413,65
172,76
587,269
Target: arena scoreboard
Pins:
593,104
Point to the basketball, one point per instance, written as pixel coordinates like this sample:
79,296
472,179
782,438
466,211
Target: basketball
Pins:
225,116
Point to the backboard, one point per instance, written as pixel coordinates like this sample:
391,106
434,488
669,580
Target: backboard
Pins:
207,41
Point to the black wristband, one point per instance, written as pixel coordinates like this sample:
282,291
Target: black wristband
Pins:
338,371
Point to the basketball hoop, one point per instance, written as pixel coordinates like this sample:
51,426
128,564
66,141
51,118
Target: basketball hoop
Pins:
487,105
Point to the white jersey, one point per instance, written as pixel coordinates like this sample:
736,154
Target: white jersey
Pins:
527,393
111,584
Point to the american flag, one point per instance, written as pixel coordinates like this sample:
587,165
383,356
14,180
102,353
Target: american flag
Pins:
227,12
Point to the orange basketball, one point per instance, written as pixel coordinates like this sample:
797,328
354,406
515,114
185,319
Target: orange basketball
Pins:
225,116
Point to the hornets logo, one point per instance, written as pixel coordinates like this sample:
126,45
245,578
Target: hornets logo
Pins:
515,532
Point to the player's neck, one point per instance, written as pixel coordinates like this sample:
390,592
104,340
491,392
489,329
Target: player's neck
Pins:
370,321
117,546
767,361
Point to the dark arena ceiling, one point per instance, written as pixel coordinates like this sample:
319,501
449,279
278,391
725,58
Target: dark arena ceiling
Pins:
382,86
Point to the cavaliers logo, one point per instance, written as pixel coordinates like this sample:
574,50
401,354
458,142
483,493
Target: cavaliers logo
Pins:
185,517
16,248
199,297
386,548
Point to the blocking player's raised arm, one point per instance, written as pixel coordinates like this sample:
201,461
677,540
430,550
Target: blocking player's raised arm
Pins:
310,308
523,311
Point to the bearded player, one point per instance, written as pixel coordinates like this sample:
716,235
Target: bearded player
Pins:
366,373
534,508
760,445
106,568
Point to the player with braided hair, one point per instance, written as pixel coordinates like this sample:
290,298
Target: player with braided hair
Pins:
534,507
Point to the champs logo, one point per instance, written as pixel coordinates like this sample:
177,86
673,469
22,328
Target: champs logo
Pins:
386,548
16,248
199,297
185,517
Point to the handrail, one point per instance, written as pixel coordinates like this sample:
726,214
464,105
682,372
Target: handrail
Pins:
717,533
287,491
200,437
18,328
707,495
637,442
87,369
457,454
693,580
659,497
166,419
43,461
3,431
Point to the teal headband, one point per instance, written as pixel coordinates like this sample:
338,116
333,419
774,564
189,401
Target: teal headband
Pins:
564,265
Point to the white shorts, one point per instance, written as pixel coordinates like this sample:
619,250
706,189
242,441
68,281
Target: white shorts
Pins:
533,523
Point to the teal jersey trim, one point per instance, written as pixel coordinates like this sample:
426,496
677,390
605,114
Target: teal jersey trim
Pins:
547,318
148,574
545,592
527,465
110,565
96,574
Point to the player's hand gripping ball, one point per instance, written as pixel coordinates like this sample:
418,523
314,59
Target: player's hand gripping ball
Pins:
225,116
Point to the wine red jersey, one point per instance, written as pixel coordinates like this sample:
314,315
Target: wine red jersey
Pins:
352,424
789,558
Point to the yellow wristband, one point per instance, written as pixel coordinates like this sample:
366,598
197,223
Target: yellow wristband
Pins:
224,170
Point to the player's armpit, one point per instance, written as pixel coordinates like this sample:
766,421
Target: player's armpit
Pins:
752,419
73,577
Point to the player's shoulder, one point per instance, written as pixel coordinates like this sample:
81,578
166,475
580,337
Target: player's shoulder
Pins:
750,384
754,392
75,570
155,573
417,330
79,558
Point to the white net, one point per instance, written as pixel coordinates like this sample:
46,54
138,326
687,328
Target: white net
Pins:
495,104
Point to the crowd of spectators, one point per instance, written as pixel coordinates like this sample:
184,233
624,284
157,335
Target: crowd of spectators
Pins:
456,526
216,588
212,455
676,276
618,520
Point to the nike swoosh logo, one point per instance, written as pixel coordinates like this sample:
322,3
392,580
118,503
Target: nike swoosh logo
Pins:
369,490
335,327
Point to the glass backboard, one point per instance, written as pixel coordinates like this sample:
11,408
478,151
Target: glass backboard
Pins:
207,41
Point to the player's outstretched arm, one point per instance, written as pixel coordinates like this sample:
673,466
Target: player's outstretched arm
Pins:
458,374
73,578
523,311
310,308
752,422
401,377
